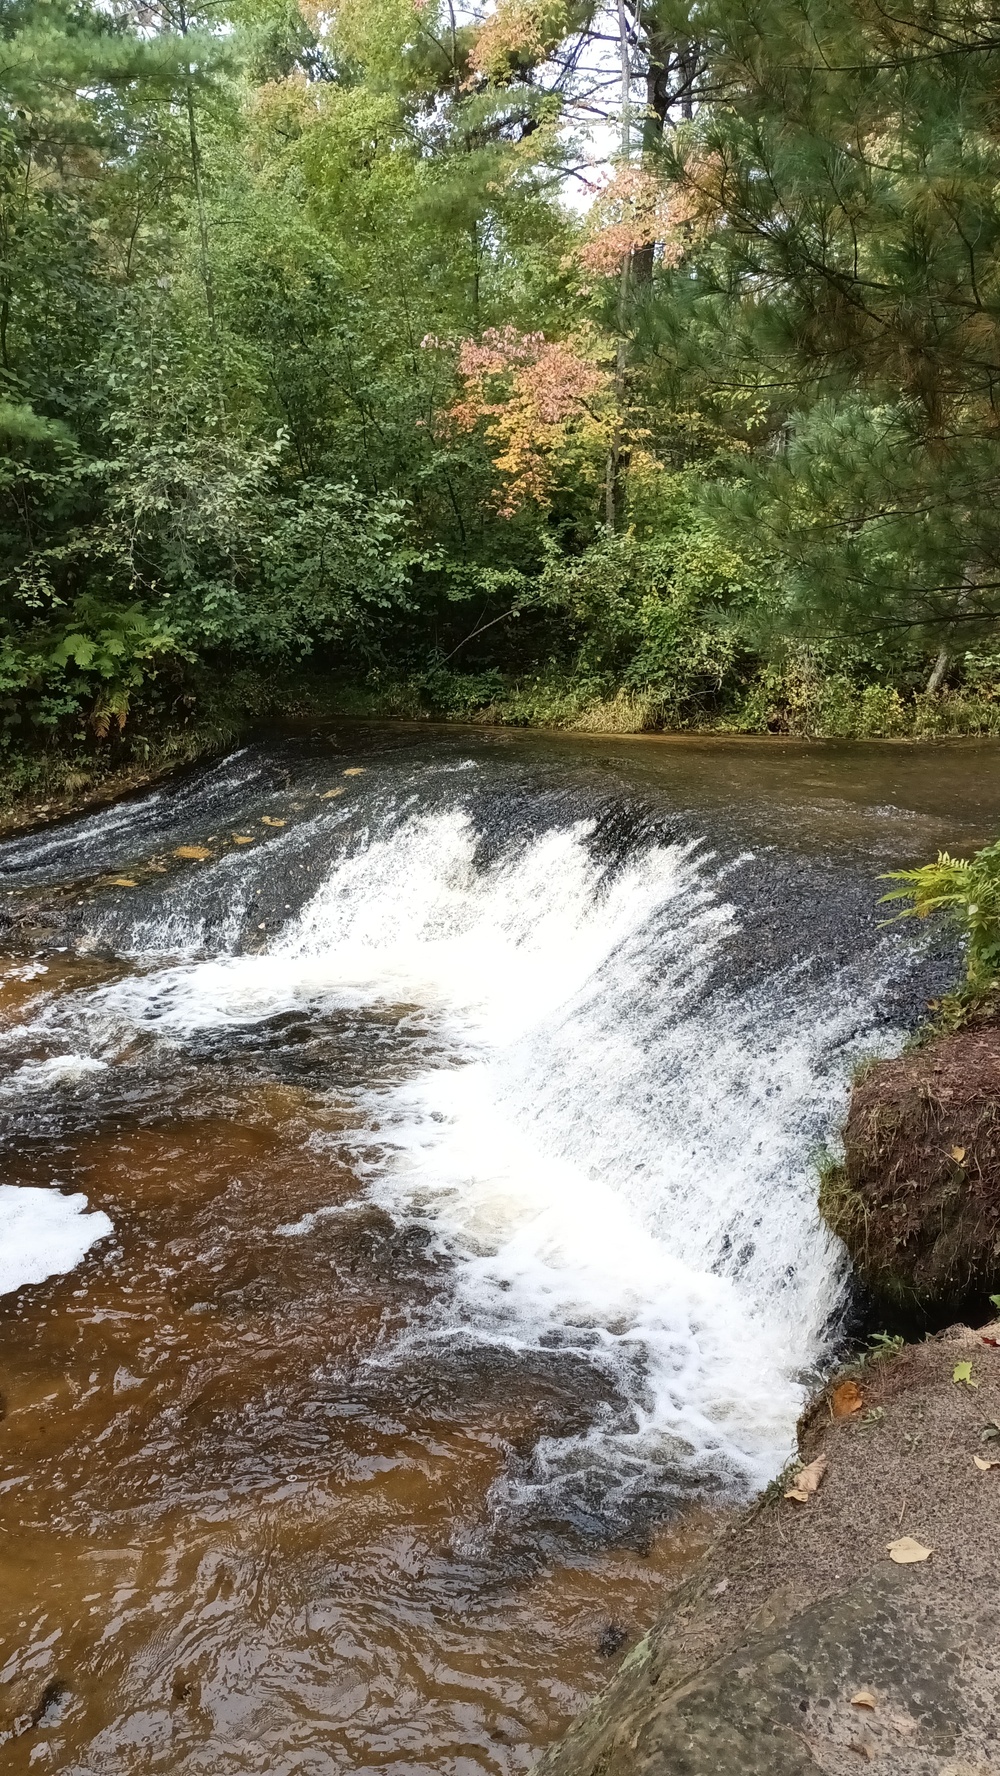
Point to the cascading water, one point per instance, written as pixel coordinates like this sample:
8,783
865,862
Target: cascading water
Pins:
606,1135
416,1136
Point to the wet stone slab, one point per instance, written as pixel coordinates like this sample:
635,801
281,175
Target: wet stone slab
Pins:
797,1645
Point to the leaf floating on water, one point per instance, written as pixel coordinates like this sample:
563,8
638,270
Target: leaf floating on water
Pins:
808,1481
983,1465
329,794
958,1154
196,853
243,838
962,1374
355,771
906,1552
121,882
863,1699
270,820
845,1399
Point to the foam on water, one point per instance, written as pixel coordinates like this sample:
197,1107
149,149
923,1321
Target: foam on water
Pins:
608,1137
62,1069
44,1233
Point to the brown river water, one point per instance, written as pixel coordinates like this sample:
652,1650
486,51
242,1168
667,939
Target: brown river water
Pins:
454,1120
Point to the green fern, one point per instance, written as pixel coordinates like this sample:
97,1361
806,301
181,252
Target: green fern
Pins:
968,892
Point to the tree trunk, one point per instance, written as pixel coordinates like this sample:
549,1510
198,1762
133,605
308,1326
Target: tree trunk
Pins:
617,456
938,671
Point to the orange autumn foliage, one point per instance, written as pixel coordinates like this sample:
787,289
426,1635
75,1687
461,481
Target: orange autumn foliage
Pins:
635,209
541,401
519,33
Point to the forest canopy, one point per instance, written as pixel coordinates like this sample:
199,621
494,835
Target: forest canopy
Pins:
633,363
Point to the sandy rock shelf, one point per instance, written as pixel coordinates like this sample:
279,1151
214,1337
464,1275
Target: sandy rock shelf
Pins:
798,1645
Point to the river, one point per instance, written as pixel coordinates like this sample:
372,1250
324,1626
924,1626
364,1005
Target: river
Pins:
407,1223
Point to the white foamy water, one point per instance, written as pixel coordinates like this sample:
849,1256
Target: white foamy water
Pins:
39,1076
44,1233
608,1137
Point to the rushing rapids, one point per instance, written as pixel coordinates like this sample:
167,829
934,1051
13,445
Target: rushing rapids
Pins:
449,1115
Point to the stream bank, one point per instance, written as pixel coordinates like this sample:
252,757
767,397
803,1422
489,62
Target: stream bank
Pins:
917,1197
798,1644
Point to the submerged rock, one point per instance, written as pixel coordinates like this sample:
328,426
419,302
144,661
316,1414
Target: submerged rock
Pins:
798,1645
917,1200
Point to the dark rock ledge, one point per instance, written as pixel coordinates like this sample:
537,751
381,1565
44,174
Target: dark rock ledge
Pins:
796,1609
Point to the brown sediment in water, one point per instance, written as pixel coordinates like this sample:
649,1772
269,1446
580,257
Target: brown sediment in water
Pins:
234,1537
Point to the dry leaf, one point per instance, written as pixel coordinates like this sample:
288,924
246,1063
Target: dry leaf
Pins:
121,882
958,1154
845,1399
807,1481
355,771
269,820
863,1699
329,794
983,1465
197,853
962,1372
907,1552
243,838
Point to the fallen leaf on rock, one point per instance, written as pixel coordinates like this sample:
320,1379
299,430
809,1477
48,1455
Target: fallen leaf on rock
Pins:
846,1398
983,1465
197,853
906,1552
329,794
121,882
355,771
962,1373
863,1699
270,820
807,1481
243,838
958,1154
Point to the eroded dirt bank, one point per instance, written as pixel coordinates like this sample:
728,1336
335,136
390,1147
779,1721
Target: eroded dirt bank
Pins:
917,1200
799,1644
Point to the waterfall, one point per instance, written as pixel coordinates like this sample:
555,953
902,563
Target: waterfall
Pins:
604,1118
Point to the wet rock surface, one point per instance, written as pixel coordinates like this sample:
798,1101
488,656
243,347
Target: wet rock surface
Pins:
917,1201
798,1645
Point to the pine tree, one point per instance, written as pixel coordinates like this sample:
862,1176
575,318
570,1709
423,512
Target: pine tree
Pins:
849,277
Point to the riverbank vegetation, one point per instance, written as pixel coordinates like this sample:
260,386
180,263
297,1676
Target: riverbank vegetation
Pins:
627,366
